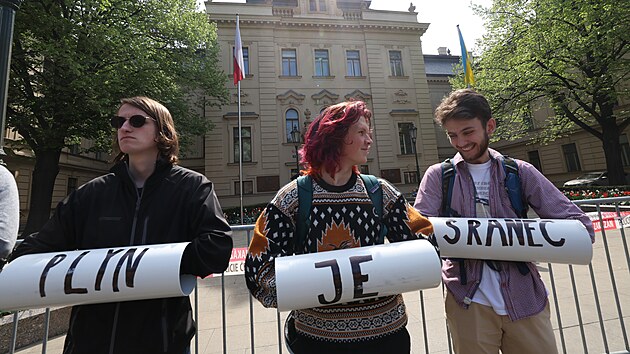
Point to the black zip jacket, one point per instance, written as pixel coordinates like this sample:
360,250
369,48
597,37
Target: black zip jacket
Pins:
175,205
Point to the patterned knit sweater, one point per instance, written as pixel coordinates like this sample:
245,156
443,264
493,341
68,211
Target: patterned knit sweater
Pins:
341,217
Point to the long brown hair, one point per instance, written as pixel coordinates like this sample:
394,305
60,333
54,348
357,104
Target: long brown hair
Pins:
167,140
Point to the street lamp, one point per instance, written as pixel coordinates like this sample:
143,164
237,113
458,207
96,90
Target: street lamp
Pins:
413,133
296,138
7,19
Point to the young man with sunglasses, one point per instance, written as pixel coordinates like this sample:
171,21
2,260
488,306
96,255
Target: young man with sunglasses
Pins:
146,199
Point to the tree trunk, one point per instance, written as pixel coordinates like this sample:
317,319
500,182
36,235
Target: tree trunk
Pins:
43,183
612,152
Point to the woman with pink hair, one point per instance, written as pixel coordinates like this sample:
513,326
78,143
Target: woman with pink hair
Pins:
343,216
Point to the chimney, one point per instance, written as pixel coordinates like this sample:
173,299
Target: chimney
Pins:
443,51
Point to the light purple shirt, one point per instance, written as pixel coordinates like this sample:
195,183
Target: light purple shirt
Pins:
524,295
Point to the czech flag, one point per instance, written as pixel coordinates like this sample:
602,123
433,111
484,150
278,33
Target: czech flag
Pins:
239,66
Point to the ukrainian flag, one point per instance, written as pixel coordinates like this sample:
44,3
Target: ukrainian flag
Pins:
469,78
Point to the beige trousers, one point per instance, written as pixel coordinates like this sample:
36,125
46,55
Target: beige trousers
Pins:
479,330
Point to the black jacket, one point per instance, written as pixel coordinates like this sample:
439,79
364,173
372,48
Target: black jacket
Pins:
175,205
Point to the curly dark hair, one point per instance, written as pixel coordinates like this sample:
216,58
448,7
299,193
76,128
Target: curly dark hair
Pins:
463,104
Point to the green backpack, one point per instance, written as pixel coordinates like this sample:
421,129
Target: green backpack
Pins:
305,200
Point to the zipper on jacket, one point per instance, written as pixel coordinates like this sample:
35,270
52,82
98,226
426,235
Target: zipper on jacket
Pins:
133,231
112,341
164,326
144,231
135,216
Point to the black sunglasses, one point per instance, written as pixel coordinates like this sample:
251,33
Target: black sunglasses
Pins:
136,121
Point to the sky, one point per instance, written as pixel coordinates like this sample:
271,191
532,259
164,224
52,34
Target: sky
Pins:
443,17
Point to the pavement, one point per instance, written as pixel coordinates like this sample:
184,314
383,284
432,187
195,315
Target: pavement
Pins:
594,318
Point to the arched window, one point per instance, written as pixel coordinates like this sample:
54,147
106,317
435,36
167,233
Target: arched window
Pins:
291,117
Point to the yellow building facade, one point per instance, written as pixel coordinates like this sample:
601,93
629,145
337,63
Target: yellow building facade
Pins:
300,57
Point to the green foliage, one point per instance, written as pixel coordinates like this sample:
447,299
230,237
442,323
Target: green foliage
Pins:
568,55
72,61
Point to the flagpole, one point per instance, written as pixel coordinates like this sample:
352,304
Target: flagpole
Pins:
240,140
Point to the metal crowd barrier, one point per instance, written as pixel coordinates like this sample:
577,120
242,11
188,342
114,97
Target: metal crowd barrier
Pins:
587,302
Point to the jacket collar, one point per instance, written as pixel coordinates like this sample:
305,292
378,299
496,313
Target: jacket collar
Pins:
121,169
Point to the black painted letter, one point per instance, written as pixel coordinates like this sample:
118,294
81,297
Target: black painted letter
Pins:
42,278
359,278
67,284
473,225
530,237
334,267
515,227
495,225
543,230
130,271
101,270
455,239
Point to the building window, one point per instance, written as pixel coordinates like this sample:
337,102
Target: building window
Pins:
75,149
245,59
534,159
322,63
571,157
72,185
317,5
364,169
248,187
293,122
247,144
289,62
395,63
406,145
411,177
353,63
625,150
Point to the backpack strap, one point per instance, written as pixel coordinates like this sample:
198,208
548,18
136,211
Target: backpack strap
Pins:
515,194
513,186
375,191
305,199
448,180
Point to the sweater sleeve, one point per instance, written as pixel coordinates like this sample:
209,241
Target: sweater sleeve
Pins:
273,237
402,220
547,200
9,213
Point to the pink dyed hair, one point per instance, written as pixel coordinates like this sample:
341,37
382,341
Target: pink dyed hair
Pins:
324,140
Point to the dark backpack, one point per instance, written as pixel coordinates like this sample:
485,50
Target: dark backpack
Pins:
512,184
305,200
